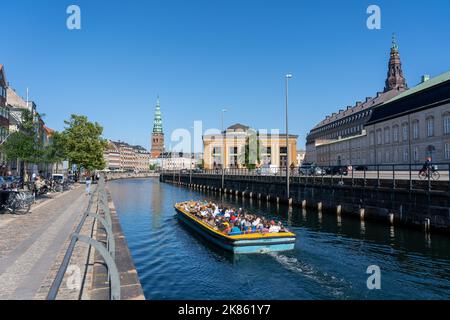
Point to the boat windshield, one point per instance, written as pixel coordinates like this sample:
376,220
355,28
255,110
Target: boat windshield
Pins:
231,221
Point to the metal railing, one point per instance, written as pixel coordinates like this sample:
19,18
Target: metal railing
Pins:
405,176
107,252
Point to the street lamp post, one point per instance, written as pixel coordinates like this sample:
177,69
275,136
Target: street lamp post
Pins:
192,158
223,150
288,76
190,171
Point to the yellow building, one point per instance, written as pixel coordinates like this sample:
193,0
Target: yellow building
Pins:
245,147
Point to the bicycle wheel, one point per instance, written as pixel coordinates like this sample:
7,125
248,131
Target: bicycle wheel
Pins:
20,207
422,175
435,176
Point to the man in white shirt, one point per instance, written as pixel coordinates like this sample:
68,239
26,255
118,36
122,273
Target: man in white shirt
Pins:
274,229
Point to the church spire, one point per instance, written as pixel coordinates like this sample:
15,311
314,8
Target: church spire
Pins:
395,79
158,134
157,122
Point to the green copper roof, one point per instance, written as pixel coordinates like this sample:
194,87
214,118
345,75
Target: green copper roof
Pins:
422,86
157,122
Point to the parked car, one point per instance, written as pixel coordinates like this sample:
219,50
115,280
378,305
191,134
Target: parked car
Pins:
310,170
268,170
59,178
361,168
337,170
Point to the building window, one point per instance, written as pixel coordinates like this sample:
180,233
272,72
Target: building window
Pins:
447,151
430,127
405,132
446,123
405,155
395,133
372,157
387,135
416,129
387,157
372,138
416,154
379,137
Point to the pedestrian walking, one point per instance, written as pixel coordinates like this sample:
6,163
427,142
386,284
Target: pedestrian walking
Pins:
88,184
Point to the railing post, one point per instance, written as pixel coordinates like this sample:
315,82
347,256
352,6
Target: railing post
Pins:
393,176
109,233
429,172
112,267
378,175
410,177
353,177
449,176
365,180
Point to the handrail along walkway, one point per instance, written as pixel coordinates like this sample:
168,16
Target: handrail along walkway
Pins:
108,252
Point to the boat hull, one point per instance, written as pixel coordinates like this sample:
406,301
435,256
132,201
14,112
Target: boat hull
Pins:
260,244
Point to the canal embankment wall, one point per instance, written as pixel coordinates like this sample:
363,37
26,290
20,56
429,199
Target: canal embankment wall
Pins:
130,285
395,204
130,175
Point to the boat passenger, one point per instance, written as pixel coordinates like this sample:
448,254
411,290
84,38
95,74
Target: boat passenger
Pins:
274,228
235,231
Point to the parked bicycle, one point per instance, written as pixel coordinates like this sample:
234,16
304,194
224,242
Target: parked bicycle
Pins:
18,202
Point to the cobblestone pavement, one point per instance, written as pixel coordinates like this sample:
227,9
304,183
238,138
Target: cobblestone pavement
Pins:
29,244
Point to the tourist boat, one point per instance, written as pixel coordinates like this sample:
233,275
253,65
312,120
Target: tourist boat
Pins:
243,243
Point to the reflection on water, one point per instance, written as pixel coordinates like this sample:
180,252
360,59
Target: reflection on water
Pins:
363,227
329,261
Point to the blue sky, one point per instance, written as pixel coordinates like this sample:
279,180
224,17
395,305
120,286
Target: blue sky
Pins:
203,55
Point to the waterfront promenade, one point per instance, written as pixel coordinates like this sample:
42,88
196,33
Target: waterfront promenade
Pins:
33,247
29,244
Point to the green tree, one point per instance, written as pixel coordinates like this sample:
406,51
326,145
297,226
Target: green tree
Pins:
83,143
201,164
55,152
250,154
25,144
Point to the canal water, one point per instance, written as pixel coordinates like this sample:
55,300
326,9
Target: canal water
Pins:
330,259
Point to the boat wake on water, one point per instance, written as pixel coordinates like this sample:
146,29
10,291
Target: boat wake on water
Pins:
334,284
